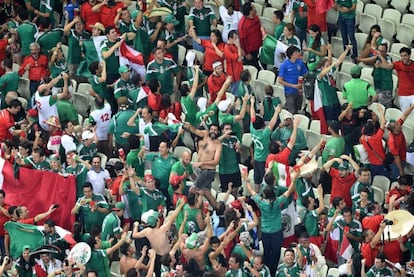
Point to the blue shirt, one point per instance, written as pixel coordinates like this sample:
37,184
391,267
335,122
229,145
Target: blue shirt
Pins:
290,72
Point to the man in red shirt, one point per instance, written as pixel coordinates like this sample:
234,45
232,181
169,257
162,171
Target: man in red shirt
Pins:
4,217
400,193
234,57
405,72
38,66
342,178
314,17
397,144
108,11
89,17
250,34
7,124
371,245
215,81
23,214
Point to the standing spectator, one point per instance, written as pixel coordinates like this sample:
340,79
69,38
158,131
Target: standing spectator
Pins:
383,76
335,147
215,81
26,31
234,57
316,47
290,71
311,218
201,18
79,169
372,142
37,65
92,207
397,144
100,117
135,157
229,16
108,11
315,17
170,35
90,17
405,71
7,124
214,49
163,69
111,225
277,19
98,176
123,85
346,21
300,18
379,268
191,72
69,142
271,223
357,91
119,128
250,34
9,80
188,104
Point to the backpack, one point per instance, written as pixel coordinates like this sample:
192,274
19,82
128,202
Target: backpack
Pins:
309,85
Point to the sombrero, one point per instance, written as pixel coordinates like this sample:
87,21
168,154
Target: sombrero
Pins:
402,223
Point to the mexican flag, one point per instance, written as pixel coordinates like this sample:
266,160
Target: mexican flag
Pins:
38,190
32,235
317,109
272,51
345,249
132,58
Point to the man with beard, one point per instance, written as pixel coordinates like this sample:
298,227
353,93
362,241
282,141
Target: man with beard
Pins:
209,152
405,72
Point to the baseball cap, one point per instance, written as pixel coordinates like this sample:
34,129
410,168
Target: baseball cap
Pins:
344,166
32,113
356,70
287,115
26,247
171,19
202,103
123,69
87,135
119,206
217,63
223,105
150,217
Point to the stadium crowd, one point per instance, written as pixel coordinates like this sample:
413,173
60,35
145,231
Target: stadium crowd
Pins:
204,142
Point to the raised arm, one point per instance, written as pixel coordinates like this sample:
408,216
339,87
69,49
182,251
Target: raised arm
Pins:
406,113
292,139
223,90
243,110
329,227
273,120
195,82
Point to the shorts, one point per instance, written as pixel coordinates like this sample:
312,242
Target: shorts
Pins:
225,179
205,178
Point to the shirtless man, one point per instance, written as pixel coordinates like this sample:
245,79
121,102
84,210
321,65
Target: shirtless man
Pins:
157,236
209,152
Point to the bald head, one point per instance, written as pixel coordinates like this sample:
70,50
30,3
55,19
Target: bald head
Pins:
186,157
11,95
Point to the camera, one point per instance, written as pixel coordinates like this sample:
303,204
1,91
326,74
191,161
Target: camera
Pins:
388,222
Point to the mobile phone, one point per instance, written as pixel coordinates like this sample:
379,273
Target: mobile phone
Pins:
55,206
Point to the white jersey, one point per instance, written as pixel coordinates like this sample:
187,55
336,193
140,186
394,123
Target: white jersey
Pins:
230,22
45,110
102,117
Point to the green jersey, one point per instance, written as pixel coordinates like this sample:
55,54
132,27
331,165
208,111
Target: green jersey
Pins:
376,272
86,153
300,12
90,217
112,62
164,72
211,119
236,273
190,77
122,88
354,227
99,262
191,225
49,39
137,97
133,159
118,126
99,87
383,76
347,4
283,268
202,20
226,118
271,219
111,226
142,40
180,169
311,223
74,45
279,29
358,92
189,108
27,32
229,163
9,82
161,167
56,69
334,148
269,104
134,201
328,91
80,171
151,199
261,141
170,37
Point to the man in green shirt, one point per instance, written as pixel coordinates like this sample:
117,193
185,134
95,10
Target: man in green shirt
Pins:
123,85
93,208
163,69
382,74
98,79
279,23
9,80
289,266
161,164
312,214
364,181
119,128
183,167
187,99
379,269
87,149
346,22
135,157
225,116
358,92
202,18
26,31
235,266
335,146
78,168
151,198
111,225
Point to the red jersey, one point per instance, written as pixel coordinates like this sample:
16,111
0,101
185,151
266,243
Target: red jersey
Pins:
3,219
375,150
210,55
396,143
314,17
369,254
108,14
405,77
233,66
372,222
6,122
214,84
281,157
89,16
399,193
341,186
39,68
250,34
175,109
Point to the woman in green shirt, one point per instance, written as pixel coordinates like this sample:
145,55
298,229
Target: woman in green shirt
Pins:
316,47
289,36
271,219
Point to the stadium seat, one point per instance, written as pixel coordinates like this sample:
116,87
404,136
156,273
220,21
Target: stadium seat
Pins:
259,89
395,47
340,98
337,46
312,138
181,54
221,195
231,97
214,8
65,50
82,102
252,69
247,140
104,159
279,91
341,79
133,6
409,121
23,88
392,114
408,19
393,15
24,102
322,271
80,119
374,10
334,272
359,10
366,21
259,8
304,121
199,55
366,74
408,132
268,12
267,24
382,3
381,182
388,28
315,125
278,4
84,88
361,38
400,5
405,34
346,67
379,196
332,16
411,7
267,76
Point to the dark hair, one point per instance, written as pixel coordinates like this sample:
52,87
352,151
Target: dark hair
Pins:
2,192
259,122
184,89
214,240
335,126
43,22
221,207
269,194
136,79
26,145
64,124
385,45
405,50
15,103
165,101
368,128
40,151
346,210
363,169
99,102
153,84
304,235
217,33
108,29
22,13
269,178
166,142
305,201
191,198
336,201
229,216
369,38
366,190
274,147
97,156
247,7
289,250
87,185
132,272
50,222
372,206
238,258
381,256
134,141
8,62
291,49
231,34
317,41
156,49
279,15
11,210
245,75
93,67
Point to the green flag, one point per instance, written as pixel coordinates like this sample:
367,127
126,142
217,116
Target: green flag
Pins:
22,235
267,52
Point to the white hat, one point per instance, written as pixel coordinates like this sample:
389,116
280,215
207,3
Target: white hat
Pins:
202,103
286,115
217,63
87,135
224,104
190,57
